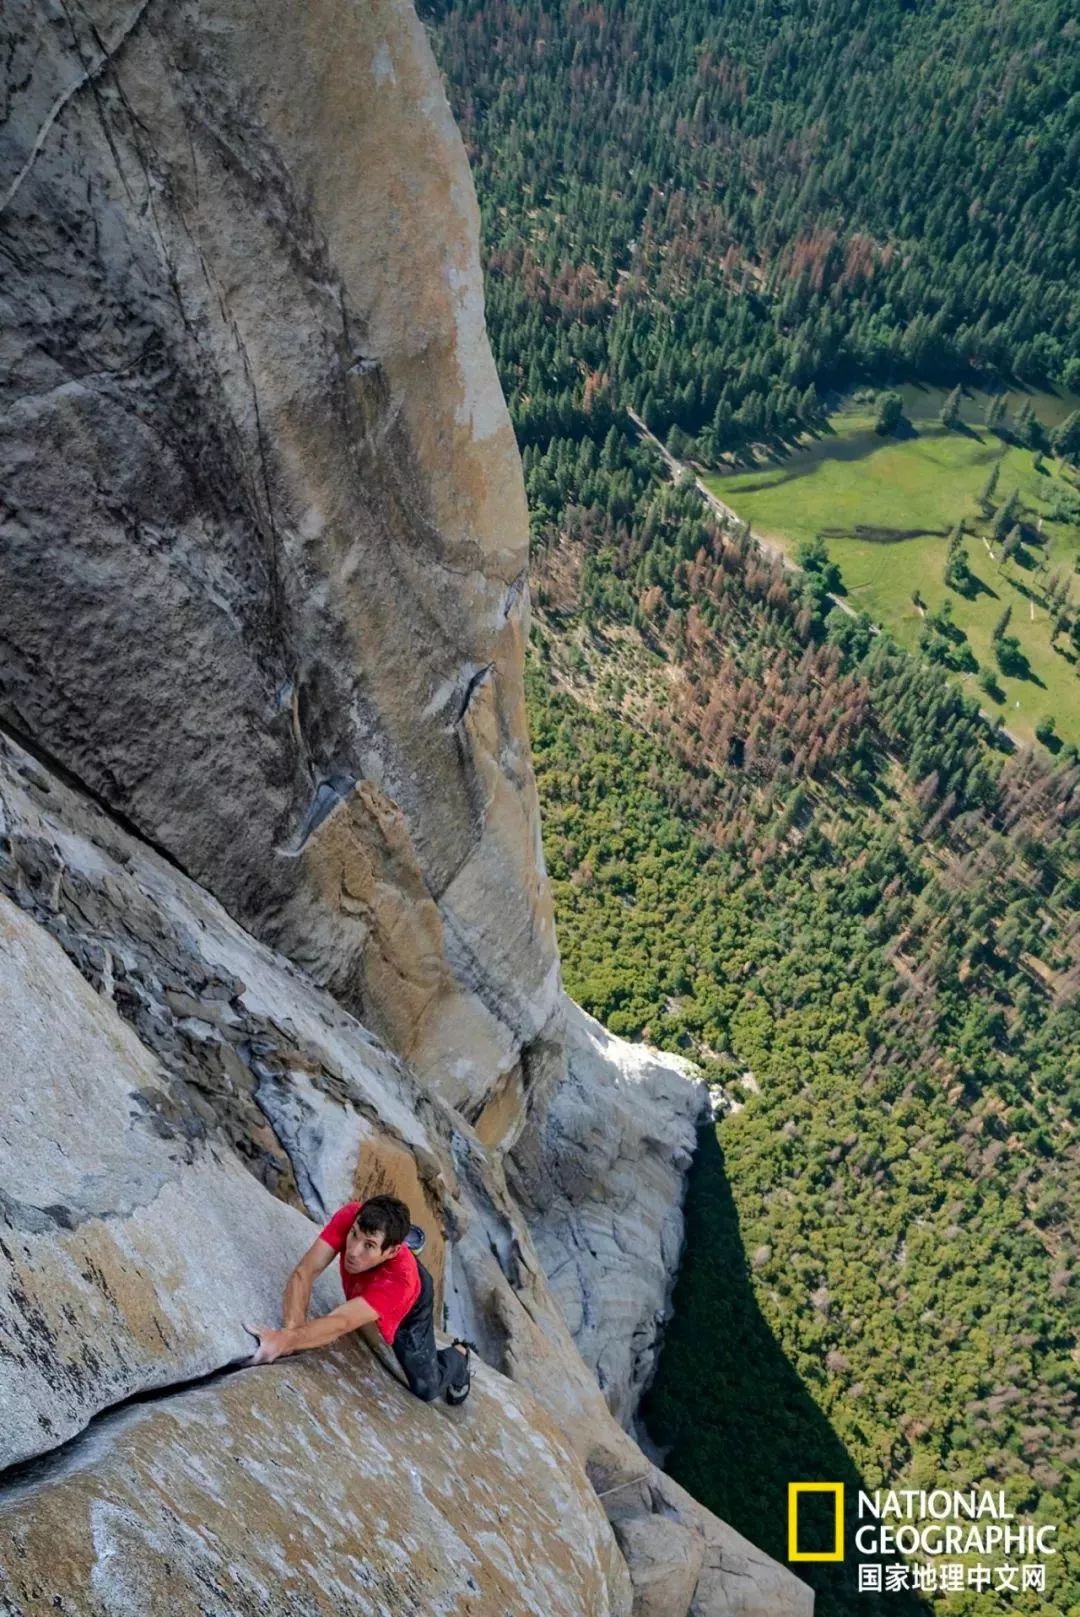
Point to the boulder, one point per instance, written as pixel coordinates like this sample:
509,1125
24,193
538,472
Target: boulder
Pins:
665,1560
276,928
666,1536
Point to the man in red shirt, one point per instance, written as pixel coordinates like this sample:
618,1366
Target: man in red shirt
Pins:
383,1283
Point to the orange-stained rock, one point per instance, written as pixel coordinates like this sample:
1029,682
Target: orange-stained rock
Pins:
385,1168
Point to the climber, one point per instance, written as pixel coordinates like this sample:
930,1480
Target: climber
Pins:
383,1282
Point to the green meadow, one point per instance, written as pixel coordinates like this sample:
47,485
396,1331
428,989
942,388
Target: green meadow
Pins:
885,507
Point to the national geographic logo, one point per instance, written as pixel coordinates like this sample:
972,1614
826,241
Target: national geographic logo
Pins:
794,1492
963,1539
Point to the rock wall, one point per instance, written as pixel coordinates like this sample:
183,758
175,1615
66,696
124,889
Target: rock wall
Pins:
274,925
174,1098
262,523
599,1173
372,1504
132,1254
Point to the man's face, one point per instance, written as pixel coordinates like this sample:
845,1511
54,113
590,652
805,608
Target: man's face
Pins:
363,1250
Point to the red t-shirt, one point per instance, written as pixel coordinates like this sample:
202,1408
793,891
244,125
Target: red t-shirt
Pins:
390,1288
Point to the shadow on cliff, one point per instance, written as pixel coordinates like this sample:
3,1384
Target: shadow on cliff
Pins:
735,1419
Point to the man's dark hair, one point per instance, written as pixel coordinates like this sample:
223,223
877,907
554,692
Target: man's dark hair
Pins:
385,1216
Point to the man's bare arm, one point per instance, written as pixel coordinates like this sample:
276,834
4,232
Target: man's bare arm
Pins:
297,1300
317,1333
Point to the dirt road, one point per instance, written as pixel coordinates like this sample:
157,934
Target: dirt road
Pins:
727,515
724,512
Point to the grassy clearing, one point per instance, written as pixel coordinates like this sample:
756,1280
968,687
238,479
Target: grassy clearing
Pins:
921,486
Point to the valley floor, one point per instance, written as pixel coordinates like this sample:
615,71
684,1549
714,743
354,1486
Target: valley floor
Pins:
885,508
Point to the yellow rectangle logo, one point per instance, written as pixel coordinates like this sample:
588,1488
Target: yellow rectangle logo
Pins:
793,1492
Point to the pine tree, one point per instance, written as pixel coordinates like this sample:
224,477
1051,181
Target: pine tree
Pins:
1002,624
1057,587
1065,439
809,406
957,572
1006,515
950,410
1025,425
890,412
986,498
721,423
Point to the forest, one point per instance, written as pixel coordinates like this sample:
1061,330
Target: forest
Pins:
780,841
719,216
787,847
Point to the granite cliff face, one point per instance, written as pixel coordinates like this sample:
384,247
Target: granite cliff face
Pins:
263,527
274,926
174,1096
598,1173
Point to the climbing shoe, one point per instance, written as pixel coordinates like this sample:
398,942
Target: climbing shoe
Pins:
458,1395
